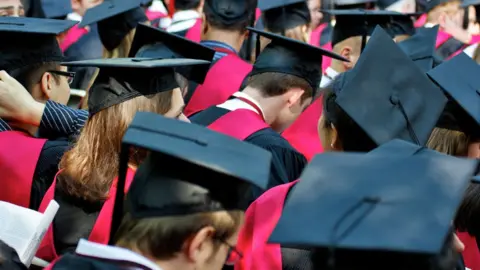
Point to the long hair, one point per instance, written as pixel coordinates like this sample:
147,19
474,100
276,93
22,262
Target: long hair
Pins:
450,142
91,165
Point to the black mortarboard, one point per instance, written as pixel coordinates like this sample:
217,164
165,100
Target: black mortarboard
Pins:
150,42
57,8
402,25
379,210
467,3
349,4
121,79
421,47
231,12
190,169
388,96
458,77
289,56
279,15
383,4
431,4
358,22
115,19
28,41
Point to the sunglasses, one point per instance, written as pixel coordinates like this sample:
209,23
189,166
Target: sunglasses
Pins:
70,75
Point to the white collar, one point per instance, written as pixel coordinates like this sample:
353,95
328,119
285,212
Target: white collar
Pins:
234,104
94,250
74,17
429,25
331,73
184,15
157,6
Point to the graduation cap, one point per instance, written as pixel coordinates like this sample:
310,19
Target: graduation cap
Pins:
279,15
115,19
402,25
358,22
30,41
190,169
150,42
467,3
121,79
458,77
388,96
230,12
353,4
421,47
380,209
57,8
289,56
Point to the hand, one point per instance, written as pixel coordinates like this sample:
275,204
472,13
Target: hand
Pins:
452,26
16,103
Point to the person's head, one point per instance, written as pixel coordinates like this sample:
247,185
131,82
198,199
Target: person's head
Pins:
122,50
189,5
291,93
446,11
316,16
11,8
455,143
349,48
196,241
45,81
81,6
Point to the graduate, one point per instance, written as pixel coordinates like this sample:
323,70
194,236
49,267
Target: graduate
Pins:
224,31
182,210
401,6
317,23
347,39
187,19
282,84
36,65
362,221
12,8
350,124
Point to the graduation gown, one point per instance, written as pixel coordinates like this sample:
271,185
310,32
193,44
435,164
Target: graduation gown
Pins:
287,163
77,219
24,183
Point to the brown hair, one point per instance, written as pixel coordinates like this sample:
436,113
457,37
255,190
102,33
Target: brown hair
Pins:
450,142
162,238
91,165
274,84
30,75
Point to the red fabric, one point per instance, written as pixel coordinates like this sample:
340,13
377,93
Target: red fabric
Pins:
52,264
471,254
258,14
316,34
441,38
153,15
195,32
420,22
18,160
228,124
303,133
326,61
224,78
101,230
73,35
260,220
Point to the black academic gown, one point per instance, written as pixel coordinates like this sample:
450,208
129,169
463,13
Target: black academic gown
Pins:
71,261
287,163
449,47
9,259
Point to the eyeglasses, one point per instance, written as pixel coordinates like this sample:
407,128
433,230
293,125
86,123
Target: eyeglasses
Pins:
70,75
233,255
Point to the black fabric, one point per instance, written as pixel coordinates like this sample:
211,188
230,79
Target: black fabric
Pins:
74,220
230,12
71,261
33,8
282,18
326,35
449,47
287,163
9,259
296,259
46,169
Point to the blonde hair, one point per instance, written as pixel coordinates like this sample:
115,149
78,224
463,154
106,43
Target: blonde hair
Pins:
448,7
450,142
163,237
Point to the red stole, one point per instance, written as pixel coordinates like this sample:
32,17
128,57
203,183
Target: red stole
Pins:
154,15
73,35
316,34
421,21
258,14
101,230
303,133
471,254
228,123
224,78
195,32
260,221
18,160
441,38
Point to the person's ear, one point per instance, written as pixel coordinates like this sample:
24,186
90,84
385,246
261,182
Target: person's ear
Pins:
294,97
336,144
200,246
347,52
47,84
205,26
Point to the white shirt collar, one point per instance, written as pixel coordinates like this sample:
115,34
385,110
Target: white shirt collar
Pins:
157,6
94,250
234,104
185,15
74,17
429,25
331,73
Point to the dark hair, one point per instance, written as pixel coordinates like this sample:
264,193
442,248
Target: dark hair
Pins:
274,84
30,75
351,135
468,214
186,4
240,25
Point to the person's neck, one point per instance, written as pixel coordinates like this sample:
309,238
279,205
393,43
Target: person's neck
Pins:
337,66
29,129
232,38
271,106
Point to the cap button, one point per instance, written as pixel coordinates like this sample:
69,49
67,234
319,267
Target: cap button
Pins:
394,99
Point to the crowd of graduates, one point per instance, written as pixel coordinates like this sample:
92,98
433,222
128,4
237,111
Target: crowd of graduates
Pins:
242,134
